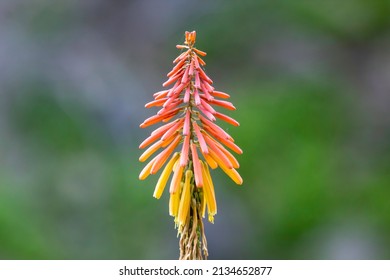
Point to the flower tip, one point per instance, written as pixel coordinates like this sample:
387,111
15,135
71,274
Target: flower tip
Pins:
190,37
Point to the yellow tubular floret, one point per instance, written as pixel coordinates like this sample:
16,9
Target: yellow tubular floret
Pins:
185,200
151,150
174,200
177,175
210,161
146,171
208,192
203,204
162,181
232,173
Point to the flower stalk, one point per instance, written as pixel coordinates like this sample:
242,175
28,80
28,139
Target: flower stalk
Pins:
189,128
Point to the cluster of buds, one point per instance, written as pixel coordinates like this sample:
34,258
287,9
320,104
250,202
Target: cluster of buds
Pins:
189,117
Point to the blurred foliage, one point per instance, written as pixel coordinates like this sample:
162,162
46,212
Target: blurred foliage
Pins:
312,173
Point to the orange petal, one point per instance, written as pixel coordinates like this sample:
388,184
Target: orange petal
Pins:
203,75
184,151
151,150
163,156
212,127
167,141
197,168
172,79
157,102
186,126
181,56
222,103
176,179
172,130
150,139
216,153
202,53
185,76
220,94
231,158
201,61
227,119
228,144
164,128
201,140
231,172
160,94
181,47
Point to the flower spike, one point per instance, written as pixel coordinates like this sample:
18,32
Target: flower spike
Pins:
192,141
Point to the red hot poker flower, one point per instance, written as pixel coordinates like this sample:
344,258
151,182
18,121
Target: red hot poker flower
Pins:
189,119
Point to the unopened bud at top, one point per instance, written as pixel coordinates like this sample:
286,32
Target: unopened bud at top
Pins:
190,38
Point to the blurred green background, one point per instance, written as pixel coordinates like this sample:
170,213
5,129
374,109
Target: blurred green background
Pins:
310,79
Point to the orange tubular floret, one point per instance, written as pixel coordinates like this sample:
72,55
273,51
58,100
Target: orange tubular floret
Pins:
160,94
227,119
167,141
181,46
172,79
210,126
199,135
163,156
202,53
231,158
176,179
172,130
177,68
214,150
224,104
181,56
164,128
201,61
150,139
197,168
203,75
157,102
184,151
220,94
228,144
231,172
151,150
157,118
186,126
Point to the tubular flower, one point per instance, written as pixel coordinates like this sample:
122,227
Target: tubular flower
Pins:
187,144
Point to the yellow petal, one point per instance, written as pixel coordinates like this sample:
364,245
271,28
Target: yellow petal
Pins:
151,150
210,161
162,181
185,200
174,200
231,172
146,171
202,204
209,194
176,179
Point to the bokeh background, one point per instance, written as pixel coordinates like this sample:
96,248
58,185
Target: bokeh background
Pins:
310,79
